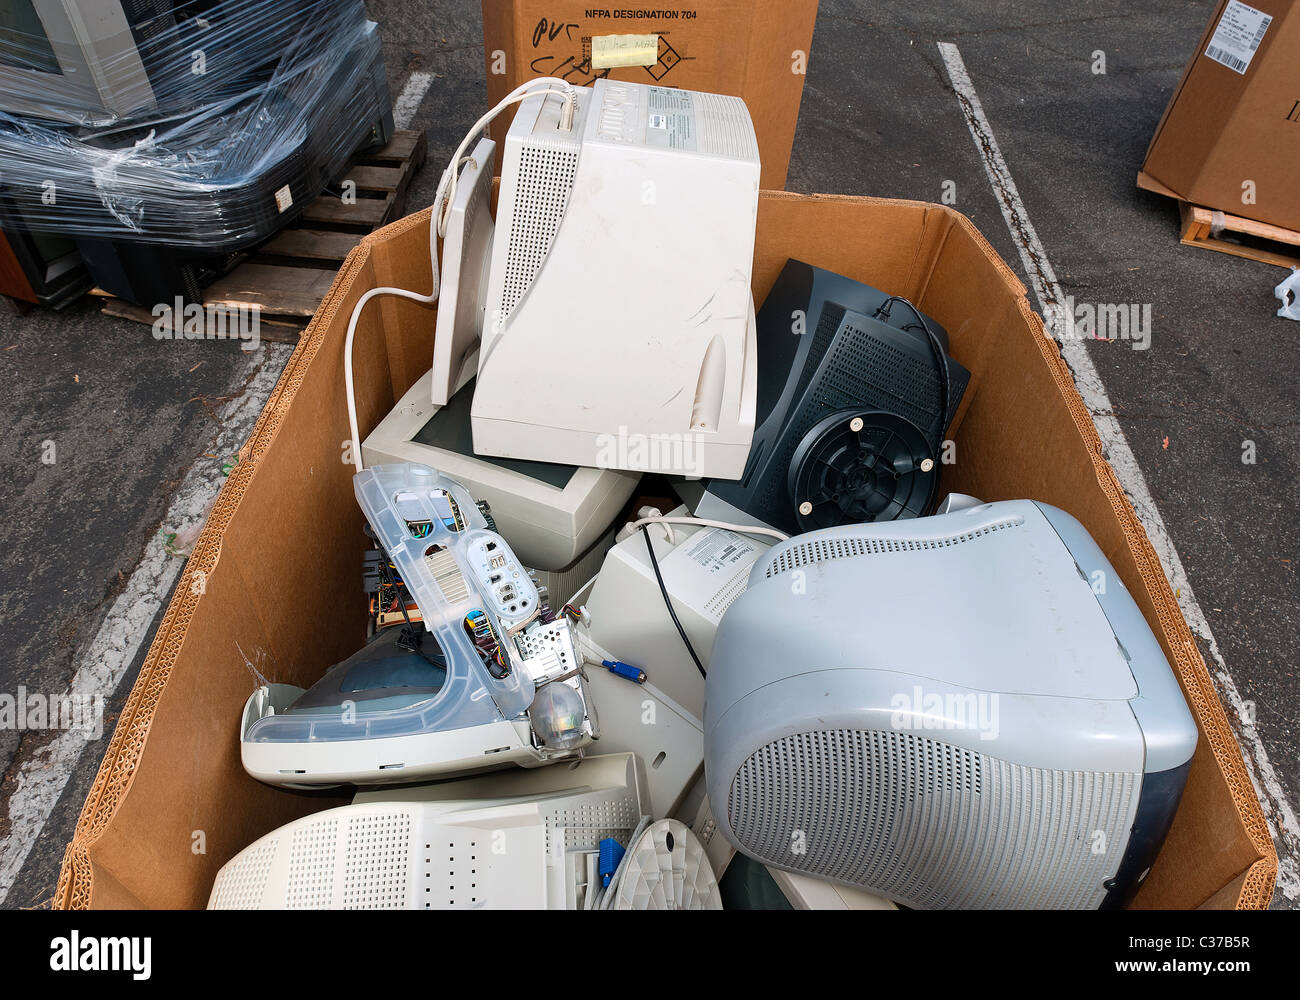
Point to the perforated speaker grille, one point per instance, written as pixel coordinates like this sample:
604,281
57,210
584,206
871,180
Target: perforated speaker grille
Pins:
930,824
826,549
545,180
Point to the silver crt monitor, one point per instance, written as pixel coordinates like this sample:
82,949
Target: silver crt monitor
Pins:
959,711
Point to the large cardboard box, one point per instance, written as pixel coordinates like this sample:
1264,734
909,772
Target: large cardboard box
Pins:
1230,137
272,586
748,48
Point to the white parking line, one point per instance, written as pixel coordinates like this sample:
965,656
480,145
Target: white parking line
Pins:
41,777
408,101
1278,813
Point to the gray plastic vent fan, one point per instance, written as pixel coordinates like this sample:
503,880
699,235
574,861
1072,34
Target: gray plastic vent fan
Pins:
667,869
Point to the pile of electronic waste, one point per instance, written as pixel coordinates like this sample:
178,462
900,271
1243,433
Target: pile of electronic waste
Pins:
811,682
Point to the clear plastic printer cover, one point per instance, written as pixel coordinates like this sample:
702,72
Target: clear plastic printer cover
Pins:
192,123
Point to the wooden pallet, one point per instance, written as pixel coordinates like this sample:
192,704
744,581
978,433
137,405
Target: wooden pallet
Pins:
287,276
1247,238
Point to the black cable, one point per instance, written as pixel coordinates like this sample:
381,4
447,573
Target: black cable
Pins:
654,563
940,361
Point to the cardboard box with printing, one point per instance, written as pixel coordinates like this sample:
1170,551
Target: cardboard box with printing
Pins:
746,48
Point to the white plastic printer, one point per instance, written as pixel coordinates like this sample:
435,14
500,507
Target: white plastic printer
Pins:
619,329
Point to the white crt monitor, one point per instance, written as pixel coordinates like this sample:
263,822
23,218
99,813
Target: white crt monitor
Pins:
619,329
495,841
553,514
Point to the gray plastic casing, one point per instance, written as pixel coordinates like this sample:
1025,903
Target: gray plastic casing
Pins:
1010,606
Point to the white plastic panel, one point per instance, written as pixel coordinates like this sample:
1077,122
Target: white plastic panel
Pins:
505,840
665,869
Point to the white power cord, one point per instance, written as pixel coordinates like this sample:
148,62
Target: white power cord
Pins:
629,529
442,203
519,94
742,529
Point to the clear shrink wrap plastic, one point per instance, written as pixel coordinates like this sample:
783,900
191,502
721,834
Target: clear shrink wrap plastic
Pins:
203,125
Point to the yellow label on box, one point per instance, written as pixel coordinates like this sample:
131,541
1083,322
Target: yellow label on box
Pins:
610,51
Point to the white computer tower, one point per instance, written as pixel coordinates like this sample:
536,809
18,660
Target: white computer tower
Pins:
704,569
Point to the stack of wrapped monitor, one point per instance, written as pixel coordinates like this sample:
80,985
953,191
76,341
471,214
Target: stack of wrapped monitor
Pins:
159,138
